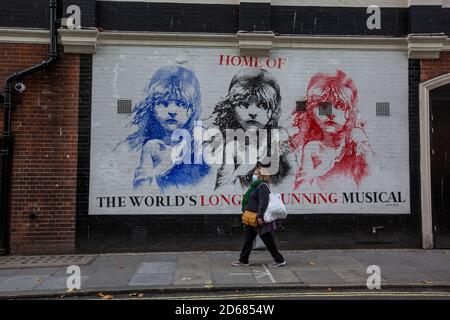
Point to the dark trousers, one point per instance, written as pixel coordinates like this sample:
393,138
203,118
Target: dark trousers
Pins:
268,240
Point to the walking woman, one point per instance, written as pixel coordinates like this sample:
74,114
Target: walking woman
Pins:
256,199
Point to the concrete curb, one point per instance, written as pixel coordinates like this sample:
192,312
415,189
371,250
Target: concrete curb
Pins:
168,290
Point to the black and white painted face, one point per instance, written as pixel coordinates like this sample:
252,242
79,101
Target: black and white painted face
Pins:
252,114
172,115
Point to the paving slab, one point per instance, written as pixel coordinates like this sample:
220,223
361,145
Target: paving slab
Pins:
319,277
85,270
159,273
157,267
306,264
263,275
403,258
54,283
104,280
42,271
21,283
404,275
339,261
118,261
9,272
151,279
192,269
160,256
284,275
356,276
237,276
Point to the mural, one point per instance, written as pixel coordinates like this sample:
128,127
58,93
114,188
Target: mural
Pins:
332,152
253,101
330,142
173,102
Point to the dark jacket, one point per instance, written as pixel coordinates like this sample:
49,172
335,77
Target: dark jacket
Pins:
258,202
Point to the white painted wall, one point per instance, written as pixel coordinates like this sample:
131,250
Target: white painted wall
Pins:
121,72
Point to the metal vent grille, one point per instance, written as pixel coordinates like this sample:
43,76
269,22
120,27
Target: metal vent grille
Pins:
139,234
124,107
325,109
383,109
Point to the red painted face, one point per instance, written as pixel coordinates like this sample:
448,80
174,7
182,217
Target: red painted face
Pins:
333,122
337,92
328,132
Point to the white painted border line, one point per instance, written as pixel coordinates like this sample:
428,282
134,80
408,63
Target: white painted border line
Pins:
269,274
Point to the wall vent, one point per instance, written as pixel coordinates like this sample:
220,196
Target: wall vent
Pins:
124,106
383,109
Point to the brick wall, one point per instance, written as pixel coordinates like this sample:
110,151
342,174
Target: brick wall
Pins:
44,165
435,68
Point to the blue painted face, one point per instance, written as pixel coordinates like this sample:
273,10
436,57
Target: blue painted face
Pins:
172,115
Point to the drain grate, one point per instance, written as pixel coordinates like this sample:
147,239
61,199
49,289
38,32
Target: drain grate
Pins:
12,262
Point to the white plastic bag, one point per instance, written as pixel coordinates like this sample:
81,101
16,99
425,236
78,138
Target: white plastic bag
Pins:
276,210
258,244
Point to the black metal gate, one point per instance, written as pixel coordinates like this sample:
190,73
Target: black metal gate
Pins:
440,165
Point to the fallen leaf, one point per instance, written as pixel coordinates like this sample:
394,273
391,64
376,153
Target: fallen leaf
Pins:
100,295
427,282
312,263
107,297
38,280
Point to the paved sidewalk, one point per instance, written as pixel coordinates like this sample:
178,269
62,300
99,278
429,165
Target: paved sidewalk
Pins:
144,272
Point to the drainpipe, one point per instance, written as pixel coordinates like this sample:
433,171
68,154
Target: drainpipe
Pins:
6,151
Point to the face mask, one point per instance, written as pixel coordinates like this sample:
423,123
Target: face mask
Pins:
254,177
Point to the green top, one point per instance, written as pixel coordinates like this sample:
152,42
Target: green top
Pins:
247,194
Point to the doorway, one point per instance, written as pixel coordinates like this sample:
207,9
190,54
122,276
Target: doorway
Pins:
440,165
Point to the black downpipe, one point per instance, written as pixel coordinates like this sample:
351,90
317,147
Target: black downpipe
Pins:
6,151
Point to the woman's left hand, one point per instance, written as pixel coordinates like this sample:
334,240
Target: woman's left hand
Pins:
260,221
